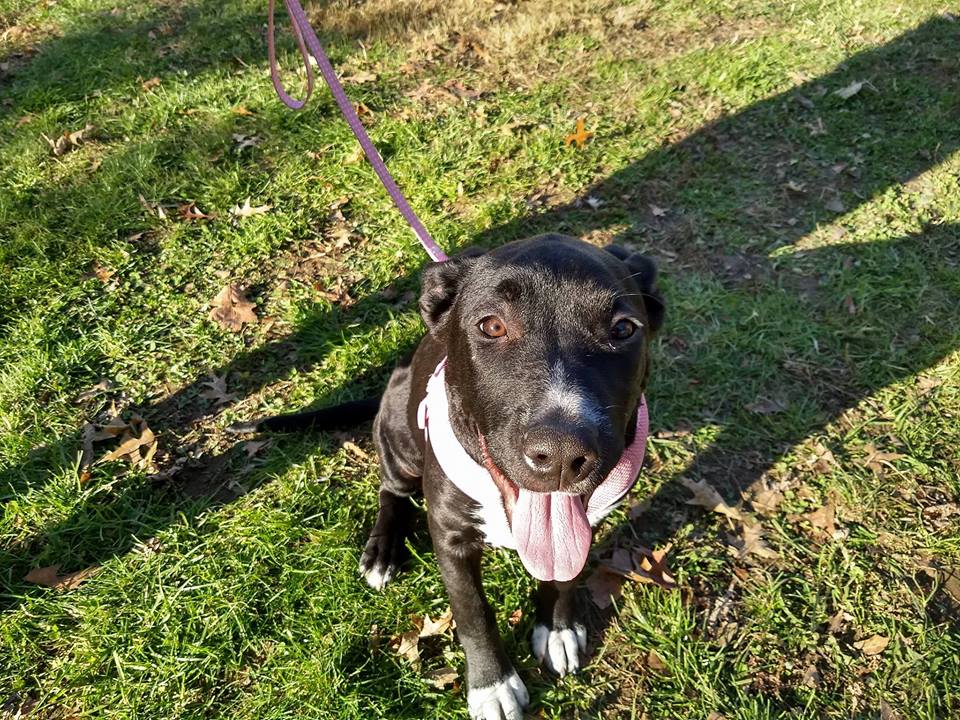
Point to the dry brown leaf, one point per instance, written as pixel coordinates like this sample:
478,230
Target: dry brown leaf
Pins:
189,211
355,450
655,662
706,496
579,136
407,646
766,500
515,617
113,429
876,459
245,141
253,447
823,460
887,712
130,445
649,567
751,542
150,84
361,77
91,392
441,677
605,585
766,406
439,626
873,645
845,93
658,211
24,119
232,309
835,204
248,210
824,518
50,577
811,676
241,110
217,390
68,140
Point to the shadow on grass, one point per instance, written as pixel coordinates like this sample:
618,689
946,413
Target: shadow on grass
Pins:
730,177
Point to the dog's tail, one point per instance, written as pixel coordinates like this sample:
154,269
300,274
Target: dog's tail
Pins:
329,418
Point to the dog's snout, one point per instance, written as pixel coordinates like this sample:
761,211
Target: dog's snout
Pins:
559,459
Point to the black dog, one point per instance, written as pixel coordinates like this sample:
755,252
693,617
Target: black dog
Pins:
536,358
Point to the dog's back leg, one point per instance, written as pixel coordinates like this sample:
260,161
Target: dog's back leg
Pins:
400,463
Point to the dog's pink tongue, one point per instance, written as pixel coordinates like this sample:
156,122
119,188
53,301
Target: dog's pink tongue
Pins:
552,533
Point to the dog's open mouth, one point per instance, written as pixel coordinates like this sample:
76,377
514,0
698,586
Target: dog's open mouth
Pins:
551,529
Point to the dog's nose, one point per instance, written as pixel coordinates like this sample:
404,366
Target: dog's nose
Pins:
558,457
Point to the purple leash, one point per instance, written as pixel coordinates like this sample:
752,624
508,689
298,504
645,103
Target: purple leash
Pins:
307,39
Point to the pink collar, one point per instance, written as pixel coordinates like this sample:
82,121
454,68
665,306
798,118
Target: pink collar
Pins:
475,481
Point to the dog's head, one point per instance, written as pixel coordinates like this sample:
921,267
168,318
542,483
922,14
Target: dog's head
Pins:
547,341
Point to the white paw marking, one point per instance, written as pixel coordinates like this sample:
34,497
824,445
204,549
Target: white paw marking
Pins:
560,649
377,578
506,698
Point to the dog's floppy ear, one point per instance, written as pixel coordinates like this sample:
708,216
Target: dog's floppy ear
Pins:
439,284
644,272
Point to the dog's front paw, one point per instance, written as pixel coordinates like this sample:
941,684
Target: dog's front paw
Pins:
560,648
381,560
506,698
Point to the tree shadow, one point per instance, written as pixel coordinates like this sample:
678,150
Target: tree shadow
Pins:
761,180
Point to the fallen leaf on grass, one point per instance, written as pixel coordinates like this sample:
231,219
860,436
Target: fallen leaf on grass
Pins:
605,586
50,577
189,211
355,450
232,309
91,392
887,712
515,617
153,207
876,459
811,677
407,646
706,496
835,204
130,445
823,520
822,460
241,110
441,677
579,136
361,77
642,566
845,93
150,84
438,626
766,500
68,140
873,645
655,662
255,446
247,209
751,542
24,119
245,141
766,406
217,390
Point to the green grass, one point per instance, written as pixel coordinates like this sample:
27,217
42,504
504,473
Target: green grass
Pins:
228,589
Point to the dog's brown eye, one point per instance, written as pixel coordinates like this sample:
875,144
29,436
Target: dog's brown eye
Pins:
493,327
622,329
